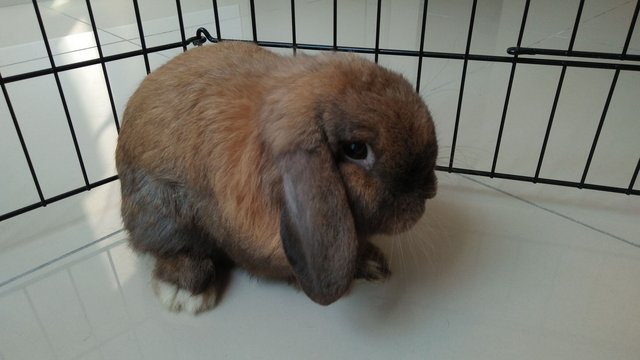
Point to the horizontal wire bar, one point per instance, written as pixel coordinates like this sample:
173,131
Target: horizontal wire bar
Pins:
530,179
353,49
106,59
56,198
566,53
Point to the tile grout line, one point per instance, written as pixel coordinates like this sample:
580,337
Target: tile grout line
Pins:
54,260
45,333
130,41
89,23
559,214
120,40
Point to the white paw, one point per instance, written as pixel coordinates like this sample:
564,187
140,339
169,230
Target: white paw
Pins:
177,299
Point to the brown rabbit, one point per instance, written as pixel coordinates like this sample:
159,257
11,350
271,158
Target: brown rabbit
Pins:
231,154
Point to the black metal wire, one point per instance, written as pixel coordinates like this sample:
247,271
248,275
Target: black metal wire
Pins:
610,94
56,198
353,49
602,118
23,144
574,32
462,81
564,183
580,54
96,38
377,45
423,30
335,25
202,36
181,24
143,43
633,178
65,107
550,123
632,26
216,18
509,86
254,29
294,42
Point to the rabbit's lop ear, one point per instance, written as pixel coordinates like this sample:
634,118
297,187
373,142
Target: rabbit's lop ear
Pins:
316,225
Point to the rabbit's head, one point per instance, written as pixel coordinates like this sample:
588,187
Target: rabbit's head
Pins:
356,149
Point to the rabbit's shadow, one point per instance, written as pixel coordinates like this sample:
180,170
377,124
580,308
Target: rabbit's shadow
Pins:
420,261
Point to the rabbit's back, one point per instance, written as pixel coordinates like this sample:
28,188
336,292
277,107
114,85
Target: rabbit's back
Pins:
192,124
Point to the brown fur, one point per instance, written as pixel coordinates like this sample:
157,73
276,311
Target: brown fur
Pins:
207,137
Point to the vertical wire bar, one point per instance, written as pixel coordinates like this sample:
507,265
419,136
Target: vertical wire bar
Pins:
550,123
574,32
143,42
181,23
377,46
462,81
103,64
611,90
634,177
594,144
61,92
634,18
293,27
335,25
22,142
632,26
509,87
254,30
422,35
600,124
216,18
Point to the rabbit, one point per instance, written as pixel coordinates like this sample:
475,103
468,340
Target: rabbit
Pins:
230,154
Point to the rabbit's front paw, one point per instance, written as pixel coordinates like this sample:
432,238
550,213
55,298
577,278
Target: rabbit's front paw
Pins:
372,265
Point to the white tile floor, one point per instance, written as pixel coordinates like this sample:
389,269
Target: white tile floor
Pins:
495,270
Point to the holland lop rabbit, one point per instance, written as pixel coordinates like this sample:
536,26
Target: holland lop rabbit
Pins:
231,154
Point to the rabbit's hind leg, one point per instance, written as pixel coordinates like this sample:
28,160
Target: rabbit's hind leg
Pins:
160,217
184,283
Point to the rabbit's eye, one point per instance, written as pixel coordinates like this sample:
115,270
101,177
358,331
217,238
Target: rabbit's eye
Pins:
356,150
359,152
